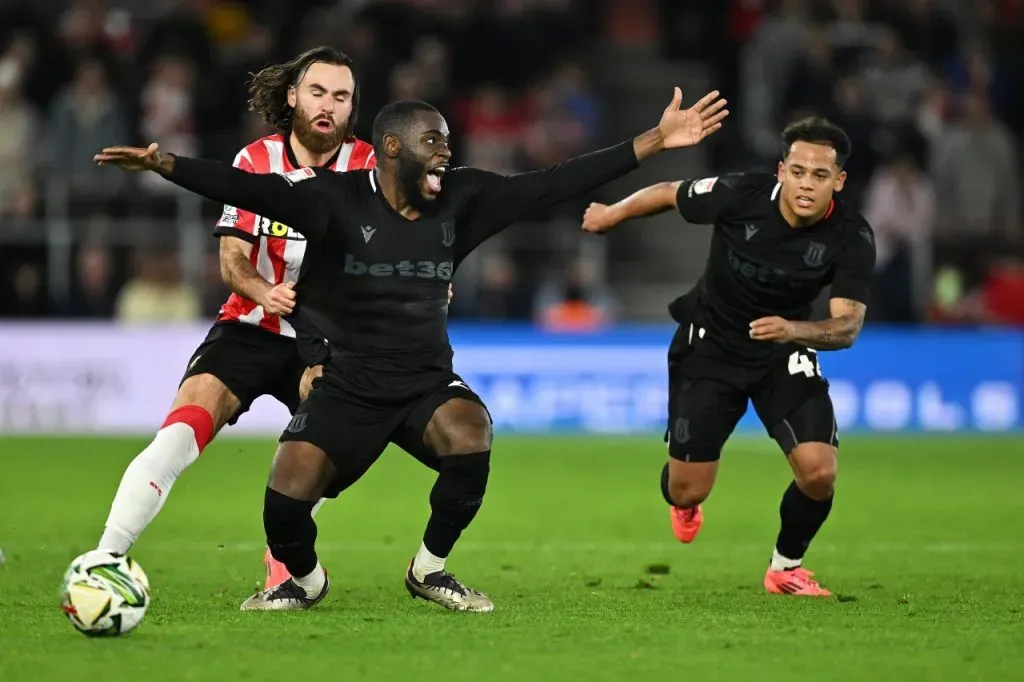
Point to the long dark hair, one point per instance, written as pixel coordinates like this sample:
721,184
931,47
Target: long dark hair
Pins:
268,89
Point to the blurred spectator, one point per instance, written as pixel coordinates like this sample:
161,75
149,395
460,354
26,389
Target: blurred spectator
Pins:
92,295
86,117
976,70
17,151
168,115
768,60
564,118
491,126
894,79
977,176
580,302
156,295
900,206
500,295
28,296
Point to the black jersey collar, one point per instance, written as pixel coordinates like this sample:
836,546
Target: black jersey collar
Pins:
295,164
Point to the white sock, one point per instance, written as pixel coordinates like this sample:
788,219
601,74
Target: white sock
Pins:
781,563
426,563
312,583
145,485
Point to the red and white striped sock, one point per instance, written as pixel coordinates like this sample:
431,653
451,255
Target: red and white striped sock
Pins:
148,479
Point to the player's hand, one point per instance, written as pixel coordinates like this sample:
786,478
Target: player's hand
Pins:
686,127
306,382
599,218
280,300
450,294
135,158
772,329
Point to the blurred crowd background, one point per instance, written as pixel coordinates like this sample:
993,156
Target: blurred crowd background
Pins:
927,89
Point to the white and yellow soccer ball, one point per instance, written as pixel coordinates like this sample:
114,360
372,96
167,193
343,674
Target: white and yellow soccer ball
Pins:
104,594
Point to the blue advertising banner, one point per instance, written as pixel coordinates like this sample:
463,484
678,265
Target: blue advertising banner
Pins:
104,379
615,382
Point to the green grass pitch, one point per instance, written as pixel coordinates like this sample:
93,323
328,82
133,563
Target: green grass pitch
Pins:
925,549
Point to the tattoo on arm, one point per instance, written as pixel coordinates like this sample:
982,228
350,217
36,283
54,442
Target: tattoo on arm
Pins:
839,331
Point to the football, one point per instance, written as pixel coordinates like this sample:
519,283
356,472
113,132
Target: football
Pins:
104,594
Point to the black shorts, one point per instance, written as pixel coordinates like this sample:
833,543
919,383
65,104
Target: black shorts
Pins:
708,396
353,422
251,362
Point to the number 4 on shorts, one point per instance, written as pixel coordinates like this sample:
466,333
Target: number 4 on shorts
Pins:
802,362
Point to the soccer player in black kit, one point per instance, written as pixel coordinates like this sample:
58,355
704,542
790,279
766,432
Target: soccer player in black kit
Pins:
383,246
744,331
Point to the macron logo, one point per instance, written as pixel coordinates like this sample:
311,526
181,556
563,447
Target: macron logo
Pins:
368,232
751,231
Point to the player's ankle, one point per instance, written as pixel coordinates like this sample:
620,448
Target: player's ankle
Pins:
313,582
426,563
784,563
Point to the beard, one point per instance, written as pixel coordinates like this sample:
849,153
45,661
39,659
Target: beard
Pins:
311,138
410,179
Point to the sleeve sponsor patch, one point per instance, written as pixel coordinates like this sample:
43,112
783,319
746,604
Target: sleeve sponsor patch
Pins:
702,186
298,175
230,216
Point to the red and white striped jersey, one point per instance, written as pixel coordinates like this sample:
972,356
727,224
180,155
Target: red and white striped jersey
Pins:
278,250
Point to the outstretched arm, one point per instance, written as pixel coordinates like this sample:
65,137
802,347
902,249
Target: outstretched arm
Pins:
648,201
292,198
503,200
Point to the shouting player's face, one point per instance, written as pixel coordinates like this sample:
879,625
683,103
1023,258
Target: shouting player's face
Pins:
809,175
423,159
323,104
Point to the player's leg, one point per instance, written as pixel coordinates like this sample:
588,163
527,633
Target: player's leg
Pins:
795,407
299,475
327,446
808,437
294,387
702,416
201,407
456,438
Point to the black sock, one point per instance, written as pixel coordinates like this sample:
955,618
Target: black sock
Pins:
291,532
664,486
455,499
801,519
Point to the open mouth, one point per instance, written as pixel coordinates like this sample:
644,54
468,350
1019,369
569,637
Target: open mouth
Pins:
434,176
323,125
804,201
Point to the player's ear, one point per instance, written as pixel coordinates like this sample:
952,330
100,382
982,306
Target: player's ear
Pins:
840,181
781,172
293,96
391,145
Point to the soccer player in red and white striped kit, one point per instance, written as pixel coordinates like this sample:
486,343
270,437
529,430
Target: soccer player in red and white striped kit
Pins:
251,349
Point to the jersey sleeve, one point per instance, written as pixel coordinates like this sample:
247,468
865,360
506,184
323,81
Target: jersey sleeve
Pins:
703,201
233,222
855,267
497,201
299,198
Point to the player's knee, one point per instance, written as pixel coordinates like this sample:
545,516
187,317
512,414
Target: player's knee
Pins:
814,465
462,481
300,471
459,427
211,394
687,493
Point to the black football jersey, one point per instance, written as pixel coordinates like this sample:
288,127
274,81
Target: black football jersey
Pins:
760,266
374,283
